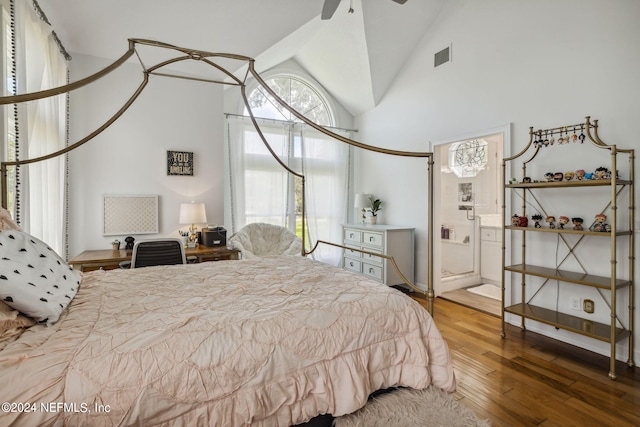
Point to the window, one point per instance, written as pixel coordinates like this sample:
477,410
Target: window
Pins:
300,95
36,191
262,191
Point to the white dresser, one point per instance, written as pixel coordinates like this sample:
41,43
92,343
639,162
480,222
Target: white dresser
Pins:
379,239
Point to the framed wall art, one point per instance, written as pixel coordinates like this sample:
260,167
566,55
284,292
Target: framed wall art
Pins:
180,163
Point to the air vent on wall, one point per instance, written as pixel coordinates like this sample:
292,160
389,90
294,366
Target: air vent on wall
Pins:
442,57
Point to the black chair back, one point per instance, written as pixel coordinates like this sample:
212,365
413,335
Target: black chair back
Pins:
147,253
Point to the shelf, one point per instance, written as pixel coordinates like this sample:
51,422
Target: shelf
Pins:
599,331
564,184
567,276
565,231
613,194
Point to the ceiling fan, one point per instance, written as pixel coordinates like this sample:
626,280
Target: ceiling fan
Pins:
330,6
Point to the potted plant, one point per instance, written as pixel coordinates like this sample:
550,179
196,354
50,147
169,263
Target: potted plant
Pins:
375,207
116,245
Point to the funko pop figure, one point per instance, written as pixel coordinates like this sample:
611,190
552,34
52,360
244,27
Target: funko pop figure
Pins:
551,220
601,224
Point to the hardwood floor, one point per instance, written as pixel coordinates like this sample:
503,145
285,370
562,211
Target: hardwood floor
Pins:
527,379
464,297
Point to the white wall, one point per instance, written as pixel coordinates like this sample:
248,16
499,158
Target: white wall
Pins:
130,156
542,64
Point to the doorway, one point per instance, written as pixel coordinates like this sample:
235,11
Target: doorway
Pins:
468,206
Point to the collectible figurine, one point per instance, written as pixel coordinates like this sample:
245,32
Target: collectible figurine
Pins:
588,175
558,176
519,221
580,174
526,180
130,241
568,176
551,220
577,223
600,224
536,220
562,221
602,173
515,220
548,176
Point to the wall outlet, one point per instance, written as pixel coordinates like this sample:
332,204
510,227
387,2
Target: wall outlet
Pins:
575,303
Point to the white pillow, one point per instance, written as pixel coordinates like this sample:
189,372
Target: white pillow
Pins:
33,278
6,222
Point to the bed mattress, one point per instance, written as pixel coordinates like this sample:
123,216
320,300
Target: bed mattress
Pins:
265,342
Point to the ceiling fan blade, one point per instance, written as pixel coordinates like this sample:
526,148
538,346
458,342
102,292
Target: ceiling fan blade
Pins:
329,8
400,1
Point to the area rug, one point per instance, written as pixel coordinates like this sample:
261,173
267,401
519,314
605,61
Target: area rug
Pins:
489,291
412,408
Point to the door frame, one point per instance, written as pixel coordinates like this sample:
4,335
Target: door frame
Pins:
440,286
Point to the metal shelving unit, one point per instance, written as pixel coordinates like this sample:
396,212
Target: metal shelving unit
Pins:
620,327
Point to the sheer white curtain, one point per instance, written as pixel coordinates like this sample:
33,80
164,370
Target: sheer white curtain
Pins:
258,185
325,164
259,189
43,127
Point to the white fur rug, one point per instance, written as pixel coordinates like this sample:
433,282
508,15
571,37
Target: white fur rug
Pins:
412,408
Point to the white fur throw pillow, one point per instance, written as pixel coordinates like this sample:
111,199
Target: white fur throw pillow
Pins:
33,278
6,222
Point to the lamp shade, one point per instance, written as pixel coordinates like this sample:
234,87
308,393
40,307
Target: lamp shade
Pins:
192,213
362,201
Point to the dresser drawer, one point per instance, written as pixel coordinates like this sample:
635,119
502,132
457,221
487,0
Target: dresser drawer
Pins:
373,271
372,258
351,253
352,264
372,239
352,235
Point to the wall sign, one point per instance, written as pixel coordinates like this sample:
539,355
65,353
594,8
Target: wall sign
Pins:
180,163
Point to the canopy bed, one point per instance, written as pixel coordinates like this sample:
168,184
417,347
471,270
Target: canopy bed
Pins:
271,340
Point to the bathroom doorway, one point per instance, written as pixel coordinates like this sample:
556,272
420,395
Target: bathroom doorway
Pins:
468,200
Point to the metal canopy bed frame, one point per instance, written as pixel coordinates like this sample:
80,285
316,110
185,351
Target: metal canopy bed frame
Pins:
213,60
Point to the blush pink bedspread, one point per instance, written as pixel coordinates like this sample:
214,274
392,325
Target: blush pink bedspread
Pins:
265,342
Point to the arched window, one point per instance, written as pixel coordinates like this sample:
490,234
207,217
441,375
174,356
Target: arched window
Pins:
299,94
262,191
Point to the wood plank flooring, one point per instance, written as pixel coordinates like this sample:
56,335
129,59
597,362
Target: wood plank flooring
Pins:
464,297
531,380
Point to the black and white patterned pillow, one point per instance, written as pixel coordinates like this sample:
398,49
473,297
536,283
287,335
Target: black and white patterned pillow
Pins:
33,278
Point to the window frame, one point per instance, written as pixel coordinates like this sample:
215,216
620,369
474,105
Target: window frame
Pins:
310,82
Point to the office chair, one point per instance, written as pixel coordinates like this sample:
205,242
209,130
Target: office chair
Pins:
157,252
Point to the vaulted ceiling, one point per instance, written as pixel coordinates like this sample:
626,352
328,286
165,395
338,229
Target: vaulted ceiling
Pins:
355,56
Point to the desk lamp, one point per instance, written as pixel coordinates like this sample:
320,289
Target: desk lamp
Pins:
362,202
192,213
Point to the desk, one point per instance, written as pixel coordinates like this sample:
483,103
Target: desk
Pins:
109,259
